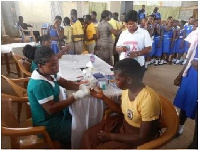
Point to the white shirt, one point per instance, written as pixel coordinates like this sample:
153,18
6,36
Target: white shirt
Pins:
136,41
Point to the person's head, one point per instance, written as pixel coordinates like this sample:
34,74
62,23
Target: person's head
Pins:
88,19
46,60
93,15
73,14
191,20
45,40
57,21
66,21
115,16
131,20
143,22
105,15
150,19
143,7
175,23
170,21
82,21
122,18
29,52
20,19
155,10
127,73
155,21
182,23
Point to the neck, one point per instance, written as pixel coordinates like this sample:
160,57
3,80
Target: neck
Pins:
135,90
132,31
44,75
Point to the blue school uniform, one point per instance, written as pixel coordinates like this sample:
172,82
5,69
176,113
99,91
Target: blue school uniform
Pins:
141,14
167,36
187,94
188,30
157,15
179,41
174,47
153,50
158,51
54,44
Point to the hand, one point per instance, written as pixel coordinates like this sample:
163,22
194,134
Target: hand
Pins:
79,95
97,93
104,136
85,89
124,48
65,48
177,81
194,63
134,54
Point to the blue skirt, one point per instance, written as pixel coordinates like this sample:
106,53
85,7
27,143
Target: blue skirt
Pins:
186,46
152,49
158,52
174,48
179,49
187,95
166,45
55,48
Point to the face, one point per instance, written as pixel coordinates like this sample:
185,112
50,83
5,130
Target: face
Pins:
143,7
47,43
57,22
121,80
191,21
93,16
51,67
131,26
196,23
150,20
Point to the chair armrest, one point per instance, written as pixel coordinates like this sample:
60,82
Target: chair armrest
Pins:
15,98
23,131
158,142
20,80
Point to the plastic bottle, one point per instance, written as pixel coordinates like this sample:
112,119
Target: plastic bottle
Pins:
92,59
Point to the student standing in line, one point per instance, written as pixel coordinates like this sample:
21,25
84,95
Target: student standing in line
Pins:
141,12
90,34
56,32
77,33
94,18
180,42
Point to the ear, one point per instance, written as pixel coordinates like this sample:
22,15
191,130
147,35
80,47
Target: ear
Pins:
129,80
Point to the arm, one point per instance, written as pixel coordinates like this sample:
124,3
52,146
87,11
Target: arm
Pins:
144,51
60,33
110,103
64,49
70,85
173,38
51,107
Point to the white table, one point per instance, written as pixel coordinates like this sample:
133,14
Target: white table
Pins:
88,111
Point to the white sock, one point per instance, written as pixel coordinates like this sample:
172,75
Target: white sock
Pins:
180,129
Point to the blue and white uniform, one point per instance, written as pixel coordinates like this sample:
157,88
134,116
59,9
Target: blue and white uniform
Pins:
187,95
158,51
188,30
179,41
167,36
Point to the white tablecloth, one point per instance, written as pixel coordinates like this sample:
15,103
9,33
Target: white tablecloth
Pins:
15,47
88,111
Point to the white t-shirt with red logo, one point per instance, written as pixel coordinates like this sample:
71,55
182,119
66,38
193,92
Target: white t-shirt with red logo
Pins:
136,42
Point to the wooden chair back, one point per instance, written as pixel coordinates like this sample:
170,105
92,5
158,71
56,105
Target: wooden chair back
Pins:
169,121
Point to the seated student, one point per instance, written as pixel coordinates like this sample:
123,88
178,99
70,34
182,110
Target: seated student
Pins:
45,40
139,111
29,53
43,95
25,27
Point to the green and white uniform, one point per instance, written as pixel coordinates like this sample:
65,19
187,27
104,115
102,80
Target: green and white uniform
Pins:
40,91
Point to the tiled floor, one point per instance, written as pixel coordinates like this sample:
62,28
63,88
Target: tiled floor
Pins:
159,78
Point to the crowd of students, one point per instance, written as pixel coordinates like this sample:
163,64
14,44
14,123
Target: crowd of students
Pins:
145,40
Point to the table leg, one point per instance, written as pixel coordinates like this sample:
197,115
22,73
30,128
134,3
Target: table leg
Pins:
7,63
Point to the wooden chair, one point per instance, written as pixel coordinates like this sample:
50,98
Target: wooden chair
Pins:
169,122
16,58
24,67
84,52
20,91
27,35
22,134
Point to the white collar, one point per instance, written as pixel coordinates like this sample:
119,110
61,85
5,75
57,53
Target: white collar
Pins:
36,76
137,31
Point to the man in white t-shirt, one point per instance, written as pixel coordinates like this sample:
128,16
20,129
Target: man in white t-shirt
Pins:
134,42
